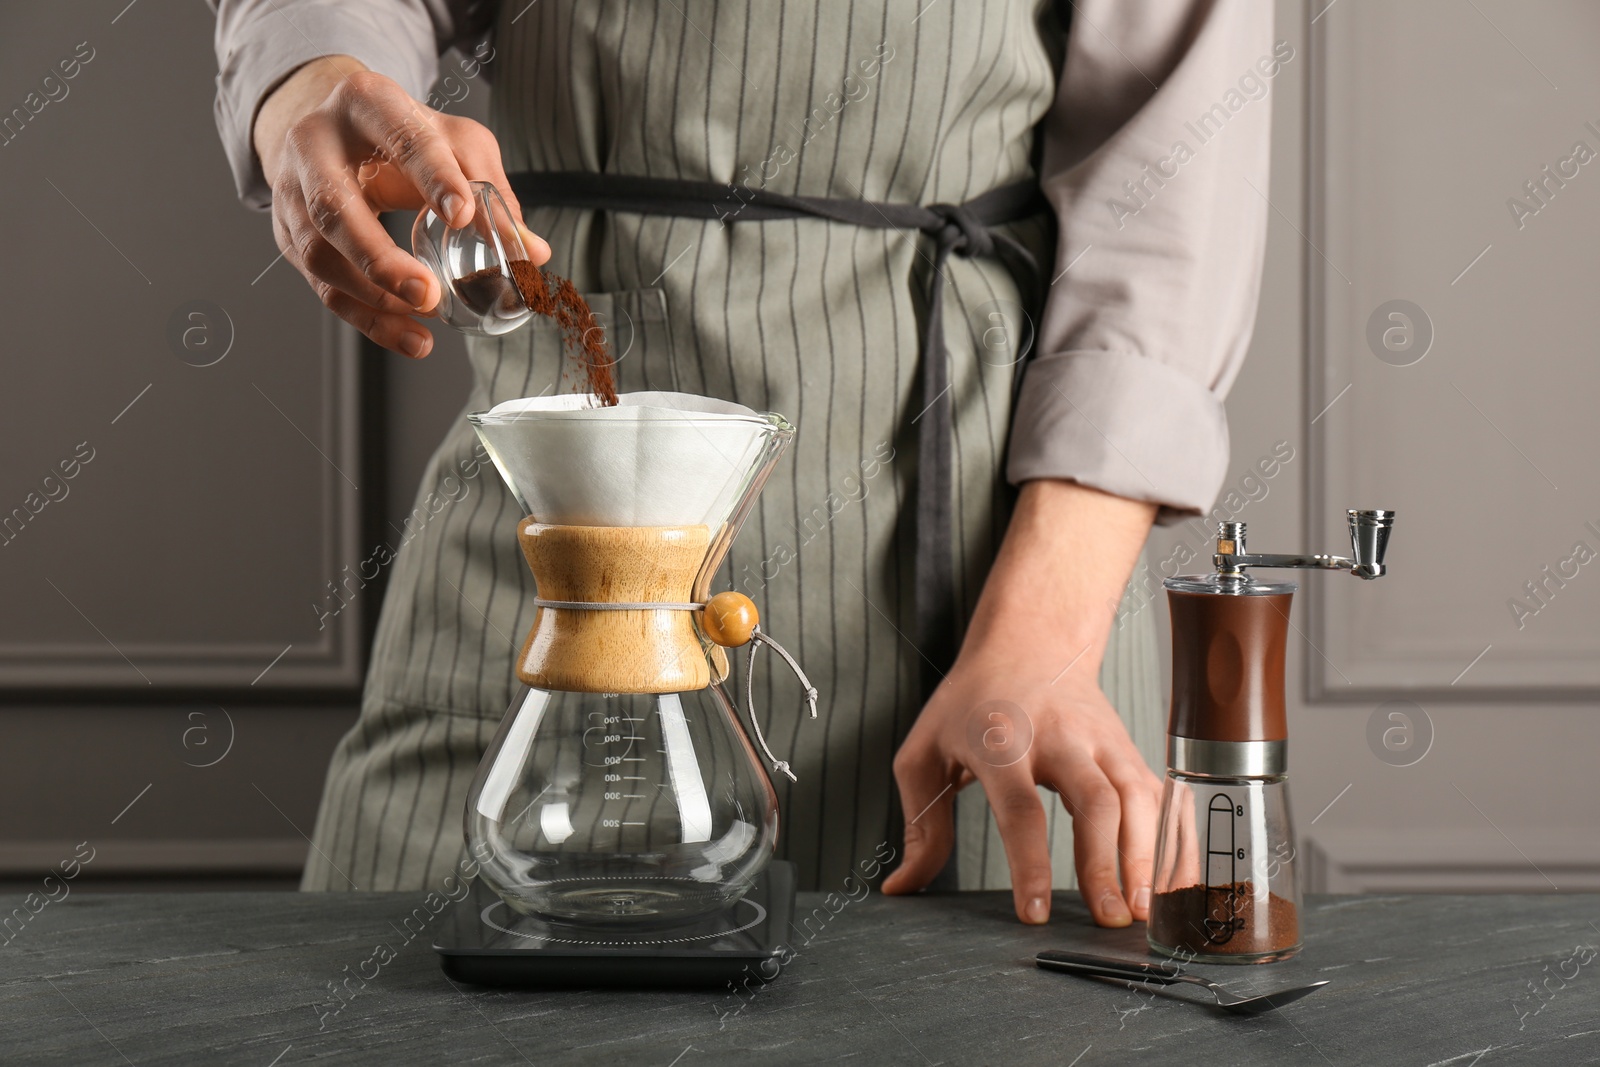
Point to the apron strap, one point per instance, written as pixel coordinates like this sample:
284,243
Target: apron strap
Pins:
957,229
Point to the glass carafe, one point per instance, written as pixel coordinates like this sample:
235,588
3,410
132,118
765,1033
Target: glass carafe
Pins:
630,808
621,788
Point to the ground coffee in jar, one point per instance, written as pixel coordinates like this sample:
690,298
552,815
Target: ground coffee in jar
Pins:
1223,921
553,297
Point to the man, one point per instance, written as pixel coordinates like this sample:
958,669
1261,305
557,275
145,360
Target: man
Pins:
967,635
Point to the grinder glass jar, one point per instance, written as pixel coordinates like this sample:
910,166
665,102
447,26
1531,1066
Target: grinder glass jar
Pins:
1225,887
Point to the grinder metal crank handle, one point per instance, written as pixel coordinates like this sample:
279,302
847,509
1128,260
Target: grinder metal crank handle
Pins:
1369,541
1108,967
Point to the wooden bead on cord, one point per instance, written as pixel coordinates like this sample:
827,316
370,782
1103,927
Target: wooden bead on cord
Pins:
729,619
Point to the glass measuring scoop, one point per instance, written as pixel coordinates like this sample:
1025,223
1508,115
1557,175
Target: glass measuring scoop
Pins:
621,789
477,265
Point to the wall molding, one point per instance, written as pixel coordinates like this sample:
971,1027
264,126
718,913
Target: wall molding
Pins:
1450,861
24,860
334,663
1335,354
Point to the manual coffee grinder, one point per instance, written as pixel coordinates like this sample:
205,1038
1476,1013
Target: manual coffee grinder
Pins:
621,822
1224,887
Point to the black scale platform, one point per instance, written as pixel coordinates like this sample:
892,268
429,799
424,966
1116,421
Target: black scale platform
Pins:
486,943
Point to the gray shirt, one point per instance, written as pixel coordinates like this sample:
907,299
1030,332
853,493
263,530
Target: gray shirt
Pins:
1155,158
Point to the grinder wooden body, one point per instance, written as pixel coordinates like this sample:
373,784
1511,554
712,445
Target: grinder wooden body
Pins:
1228,666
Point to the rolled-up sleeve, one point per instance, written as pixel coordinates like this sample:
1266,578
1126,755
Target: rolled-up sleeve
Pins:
261,42
1156,162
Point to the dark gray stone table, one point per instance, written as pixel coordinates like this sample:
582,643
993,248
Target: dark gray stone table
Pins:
237,979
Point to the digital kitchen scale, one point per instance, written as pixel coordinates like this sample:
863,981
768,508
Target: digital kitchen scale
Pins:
484,942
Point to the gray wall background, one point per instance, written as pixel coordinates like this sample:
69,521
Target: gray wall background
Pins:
148,602
1436,744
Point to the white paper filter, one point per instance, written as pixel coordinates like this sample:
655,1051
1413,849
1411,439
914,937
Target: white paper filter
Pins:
655,459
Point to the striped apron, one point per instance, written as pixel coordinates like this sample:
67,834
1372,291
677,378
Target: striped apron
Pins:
884,100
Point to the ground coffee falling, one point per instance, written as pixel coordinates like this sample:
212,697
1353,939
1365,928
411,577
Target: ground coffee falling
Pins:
1223,920
553,297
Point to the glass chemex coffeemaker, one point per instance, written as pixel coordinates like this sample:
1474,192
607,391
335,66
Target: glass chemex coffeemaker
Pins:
1225,888
621,820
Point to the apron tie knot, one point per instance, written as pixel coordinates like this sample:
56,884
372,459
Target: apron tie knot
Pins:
958,230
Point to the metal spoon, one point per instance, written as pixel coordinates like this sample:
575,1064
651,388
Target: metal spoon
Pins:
1130,971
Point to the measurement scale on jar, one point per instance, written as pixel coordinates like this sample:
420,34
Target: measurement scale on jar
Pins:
674,767
614,800
1223,856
